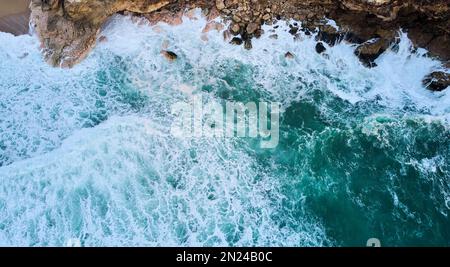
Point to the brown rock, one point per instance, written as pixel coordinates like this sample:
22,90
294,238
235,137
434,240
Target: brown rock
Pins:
329,35
289,55
236,41
252,27
102,39
235,29
236,19
369,51
169,55
69,31
220,4
226,11
267,17
437,81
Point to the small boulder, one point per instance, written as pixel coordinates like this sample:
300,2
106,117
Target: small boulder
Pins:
169,55
437,81
102,39
289,55
266,17
258,33
320,48
252,27
369,51
235,29
248,44
293,30
236,19
220,4
329,34
236,41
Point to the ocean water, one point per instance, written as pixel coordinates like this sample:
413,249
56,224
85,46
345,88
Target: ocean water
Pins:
86,153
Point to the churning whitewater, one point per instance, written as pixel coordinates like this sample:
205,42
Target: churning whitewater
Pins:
86,153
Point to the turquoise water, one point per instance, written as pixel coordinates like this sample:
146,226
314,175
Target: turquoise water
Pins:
87,153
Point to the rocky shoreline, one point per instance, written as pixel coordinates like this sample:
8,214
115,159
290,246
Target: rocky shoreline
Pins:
69,29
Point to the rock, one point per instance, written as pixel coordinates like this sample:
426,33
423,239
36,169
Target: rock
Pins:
252,27
171,18
68,31
273,36
169,55
220,4
369,51
293,30
306,31
236,41
235,29
437,81
102,39
289,55
320,48
226,11
236,19
248,44
266,17
329,35
191,14
440,45
258,33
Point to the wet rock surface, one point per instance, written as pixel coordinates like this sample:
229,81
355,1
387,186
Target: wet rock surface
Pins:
169,55
437,81
369,51
320,48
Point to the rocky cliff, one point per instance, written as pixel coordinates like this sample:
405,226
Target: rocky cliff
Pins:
68,29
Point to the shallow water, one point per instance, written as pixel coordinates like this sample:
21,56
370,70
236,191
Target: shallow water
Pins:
87,153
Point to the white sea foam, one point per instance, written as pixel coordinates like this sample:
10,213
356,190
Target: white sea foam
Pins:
127,182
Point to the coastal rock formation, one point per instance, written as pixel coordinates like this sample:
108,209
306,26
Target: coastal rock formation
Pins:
437,81
320,48
68,29
371,50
